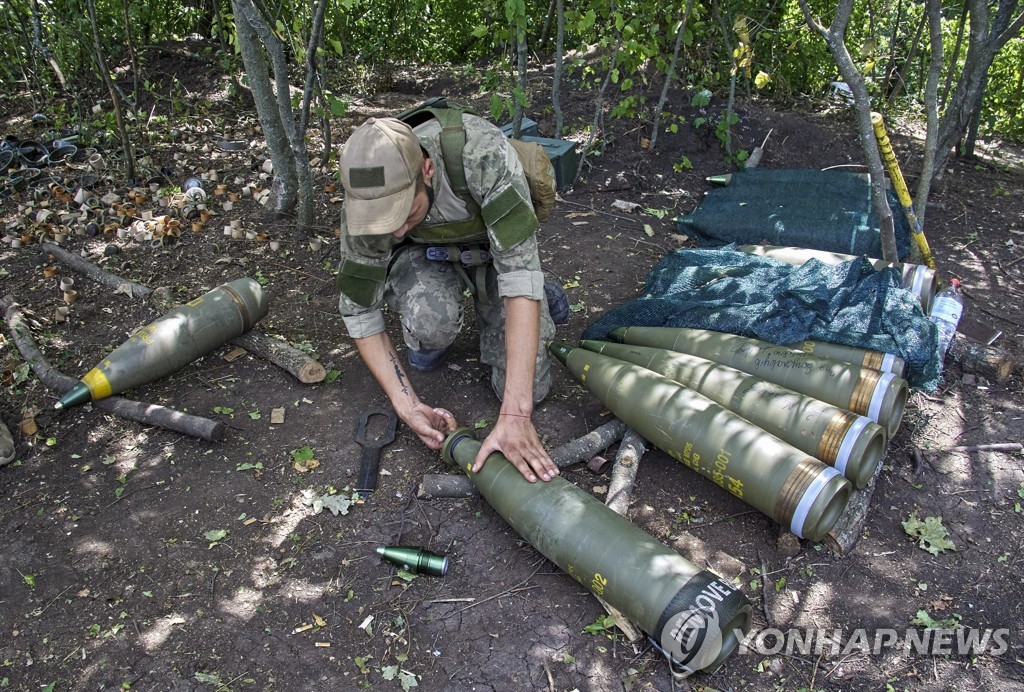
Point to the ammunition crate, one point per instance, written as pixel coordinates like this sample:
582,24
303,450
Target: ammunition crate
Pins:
564,158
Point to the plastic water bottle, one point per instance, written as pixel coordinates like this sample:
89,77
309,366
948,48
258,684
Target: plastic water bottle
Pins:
947,307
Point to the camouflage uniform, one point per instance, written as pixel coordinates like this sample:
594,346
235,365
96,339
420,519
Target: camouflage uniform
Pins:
428,294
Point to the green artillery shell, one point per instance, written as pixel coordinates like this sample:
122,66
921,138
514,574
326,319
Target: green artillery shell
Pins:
173,341
788,485
648,582
917,278
875,360
852,444
880,396
416,560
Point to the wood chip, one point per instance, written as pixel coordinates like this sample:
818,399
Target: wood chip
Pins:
277,416
235,353
322,645
299,630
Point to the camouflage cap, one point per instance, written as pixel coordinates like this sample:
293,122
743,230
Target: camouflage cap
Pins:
379,165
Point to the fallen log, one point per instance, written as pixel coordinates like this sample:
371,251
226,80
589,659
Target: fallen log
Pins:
147,414
96,273
842,538
291,360
988,361
440,485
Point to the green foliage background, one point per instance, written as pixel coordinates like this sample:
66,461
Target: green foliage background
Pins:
367,40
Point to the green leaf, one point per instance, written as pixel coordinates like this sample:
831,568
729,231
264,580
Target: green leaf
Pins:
648,230
332,375
389,672
780,584
576,307
568,658
1020,490
601,625
762,79
407,679
481,424
361,663
255,415
302,453
209,678
30,579
932,534
215,535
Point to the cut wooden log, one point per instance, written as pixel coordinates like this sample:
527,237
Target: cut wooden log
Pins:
842,538
288,358
627,461
620,489
988,361
147,414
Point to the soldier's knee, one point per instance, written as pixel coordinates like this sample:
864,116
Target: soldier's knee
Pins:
430,325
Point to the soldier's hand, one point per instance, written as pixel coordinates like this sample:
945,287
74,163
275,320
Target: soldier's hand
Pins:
517,439
431,425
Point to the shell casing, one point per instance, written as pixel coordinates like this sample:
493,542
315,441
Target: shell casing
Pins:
788,485
174,340
882,398
414,559
916,278
647,581
852,444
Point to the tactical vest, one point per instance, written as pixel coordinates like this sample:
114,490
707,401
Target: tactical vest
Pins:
511,219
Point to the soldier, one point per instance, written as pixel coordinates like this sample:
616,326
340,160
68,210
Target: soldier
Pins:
417,230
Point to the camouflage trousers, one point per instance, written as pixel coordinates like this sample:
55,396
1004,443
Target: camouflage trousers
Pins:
429,298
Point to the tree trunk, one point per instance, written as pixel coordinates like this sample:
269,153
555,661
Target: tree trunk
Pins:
517,108
37,43
934,10
890,65
556,82
901,68
312,70
955,58
987,36
101,65
971,137
670,74
835,40
292,178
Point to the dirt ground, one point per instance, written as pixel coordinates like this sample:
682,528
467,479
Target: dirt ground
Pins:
137,558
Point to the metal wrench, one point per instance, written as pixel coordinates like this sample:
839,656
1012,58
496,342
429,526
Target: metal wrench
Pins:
370,459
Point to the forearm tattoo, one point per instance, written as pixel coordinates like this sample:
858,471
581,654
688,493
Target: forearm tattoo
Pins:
399,374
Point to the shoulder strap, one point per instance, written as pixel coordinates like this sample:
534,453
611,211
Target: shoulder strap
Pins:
453,141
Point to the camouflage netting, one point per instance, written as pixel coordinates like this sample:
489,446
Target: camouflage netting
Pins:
825,210
759,297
